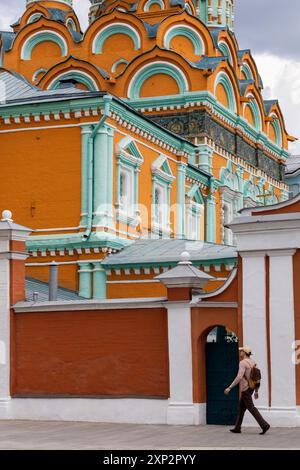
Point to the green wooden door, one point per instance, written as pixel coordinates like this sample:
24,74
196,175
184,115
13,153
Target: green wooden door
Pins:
221,368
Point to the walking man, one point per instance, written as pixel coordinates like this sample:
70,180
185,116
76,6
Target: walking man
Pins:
246,392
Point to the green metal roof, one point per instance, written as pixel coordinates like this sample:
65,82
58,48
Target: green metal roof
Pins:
166,252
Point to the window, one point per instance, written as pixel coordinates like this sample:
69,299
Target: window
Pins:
192,225
160,207
194,211
129,161
126,201
162,179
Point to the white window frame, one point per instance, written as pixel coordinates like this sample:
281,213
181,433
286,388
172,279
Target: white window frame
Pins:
161,224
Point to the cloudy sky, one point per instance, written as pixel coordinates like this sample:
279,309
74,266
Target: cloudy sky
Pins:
270,28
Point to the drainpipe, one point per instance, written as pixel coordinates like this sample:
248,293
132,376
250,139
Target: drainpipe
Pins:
53,282
90,186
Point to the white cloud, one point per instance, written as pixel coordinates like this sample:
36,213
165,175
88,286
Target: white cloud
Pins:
281,79
82,8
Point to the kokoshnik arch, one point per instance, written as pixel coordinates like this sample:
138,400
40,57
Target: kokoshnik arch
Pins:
153,107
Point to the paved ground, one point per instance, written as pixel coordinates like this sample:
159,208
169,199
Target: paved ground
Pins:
24,435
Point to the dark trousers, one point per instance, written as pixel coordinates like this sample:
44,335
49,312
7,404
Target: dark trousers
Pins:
246,403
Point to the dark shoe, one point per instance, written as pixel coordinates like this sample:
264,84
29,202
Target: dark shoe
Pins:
265,430
236,431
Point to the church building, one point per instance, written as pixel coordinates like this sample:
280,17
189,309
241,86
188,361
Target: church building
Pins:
136,140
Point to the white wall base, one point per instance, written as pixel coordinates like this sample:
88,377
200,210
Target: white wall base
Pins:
138,411
276,417
189,414
132,411
5,405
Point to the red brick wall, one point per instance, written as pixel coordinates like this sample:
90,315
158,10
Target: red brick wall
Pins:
101,353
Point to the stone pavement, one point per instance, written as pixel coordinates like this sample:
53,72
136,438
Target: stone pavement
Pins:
35,435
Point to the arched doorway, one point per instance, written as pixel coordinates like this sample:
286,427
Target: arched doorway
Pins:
221,367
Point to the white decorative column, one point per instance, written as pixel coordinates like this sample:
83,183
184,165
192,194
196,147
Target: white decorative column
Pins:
12,252
282,332
4,322
254,315
180,281
181,407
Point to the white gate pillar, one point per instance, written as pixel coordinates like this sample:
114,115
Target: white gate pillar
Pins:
180,281
282,332
254,315
12,251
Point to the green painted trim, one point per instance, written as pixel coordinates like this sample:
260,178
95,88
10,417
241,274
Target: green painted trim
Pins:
256,114
118,62
40,37
193,173
164,264
128,156
99,282
37,72
85,280
85,134
110,174
210,215
277,130
196,194
247,71
71,22
74,242
100,177
181,176
149,3
157,131
34,17
156,68
70,105
117,28
223,47
189,33
223,79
